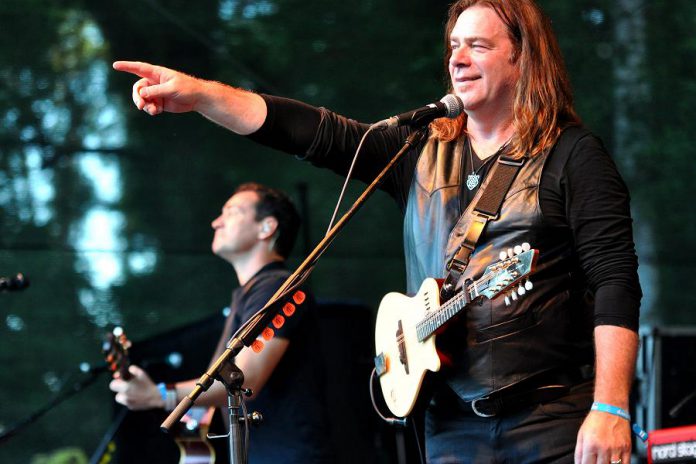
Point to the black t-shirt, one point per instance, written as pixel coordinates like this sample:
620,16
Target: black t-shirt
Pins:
295,425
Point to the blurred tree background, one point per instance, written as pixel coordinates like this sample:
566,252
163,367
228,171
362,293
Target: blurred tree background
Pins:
108,210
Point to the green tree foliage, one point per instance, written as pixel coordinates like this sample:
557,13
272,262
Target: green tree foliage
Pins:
109,210
663,185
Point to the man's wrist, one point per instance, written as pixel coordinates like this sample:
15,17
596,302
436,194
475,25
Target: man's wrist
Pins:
168,394
611,409
622,413
617,399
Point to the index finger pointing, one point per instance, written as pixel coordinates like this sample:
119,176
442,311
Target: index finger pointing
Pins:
138,68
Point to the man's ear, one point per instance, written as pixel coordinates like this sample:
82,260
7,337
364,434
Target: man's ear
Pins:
269,225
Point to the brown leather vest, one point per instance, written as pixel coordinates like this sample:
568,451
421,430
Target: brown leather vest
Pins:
550,327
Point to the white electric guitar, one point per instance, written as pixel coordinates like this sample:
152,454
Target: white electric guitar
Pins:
405,327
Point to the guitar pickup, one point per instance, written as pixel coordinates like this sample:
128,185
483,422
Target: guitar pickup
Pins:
381,364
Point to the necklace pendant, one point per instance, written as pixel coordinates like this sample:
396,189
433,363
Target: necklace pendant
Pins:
472,181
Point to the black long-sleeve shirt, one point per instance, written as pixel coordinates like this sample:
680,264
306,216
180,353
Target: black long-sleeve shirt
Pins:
580,190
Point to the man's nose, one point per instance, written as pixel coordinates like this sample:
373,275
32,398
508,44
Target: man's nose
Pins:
459,57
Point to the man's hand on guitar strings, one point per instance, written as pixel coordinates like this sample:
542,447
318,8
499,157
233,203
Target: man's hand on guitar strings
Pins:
138,393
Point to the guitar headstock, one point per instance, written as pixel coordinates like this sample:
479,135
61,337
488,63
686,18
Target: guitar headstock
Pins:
115,349
515,265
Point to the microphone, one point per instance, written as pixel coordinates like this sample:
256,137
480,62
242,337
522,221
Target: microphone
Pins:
10,284
449,106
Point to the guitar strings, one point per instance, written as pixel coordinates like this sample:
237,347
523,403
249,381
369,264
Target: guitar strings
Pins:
481,284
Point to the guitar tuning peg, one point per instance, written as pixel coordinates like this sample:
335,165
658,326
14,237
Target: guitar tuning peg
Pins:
267,333
528,285
526,246
299,297
510,252
513,294
278,321
507,300
289,309
517,249
257,346
520,290
503,255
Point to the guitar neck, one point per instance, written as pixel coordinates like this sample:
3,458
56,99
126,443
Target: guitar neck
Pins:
497,277
436,319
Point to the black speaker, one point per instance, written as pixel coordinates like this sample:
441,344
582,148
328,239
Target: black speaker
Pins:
665,393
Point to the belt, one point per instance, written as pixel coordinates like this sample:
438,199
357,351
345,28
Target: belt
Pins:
539,389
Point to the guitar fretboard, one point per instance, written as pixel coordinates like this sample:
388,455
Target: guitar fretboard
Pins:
436,319
496,278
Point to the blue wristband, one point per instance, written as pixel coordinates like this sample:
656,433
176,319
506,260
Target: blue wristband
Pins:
162,387
640,433
608,408
603,407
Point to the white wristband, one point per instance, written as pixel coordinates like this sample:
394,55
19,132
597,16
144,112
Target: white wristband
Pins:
170,402
168,396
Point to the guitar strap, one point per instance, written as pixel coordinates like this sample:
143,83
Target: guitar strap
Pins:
487,205
486,208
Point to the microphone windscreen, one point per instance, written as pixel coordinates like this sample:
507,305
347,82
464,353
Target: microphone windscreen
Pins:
453,104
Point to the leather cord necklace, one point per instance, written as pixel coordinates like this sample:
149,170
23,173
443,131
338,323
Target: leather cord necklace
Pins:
485,207
473,179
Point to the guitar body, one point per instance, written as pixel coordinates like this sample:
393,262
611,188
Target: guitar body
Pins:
195,452
191,434
190,437
405,328
406,359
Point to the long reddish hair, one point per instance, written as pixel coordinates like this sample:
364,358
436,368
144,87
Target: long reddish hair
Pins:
543,104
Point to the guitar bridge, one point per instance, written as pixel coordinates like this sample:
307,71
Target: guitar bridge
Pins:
402,346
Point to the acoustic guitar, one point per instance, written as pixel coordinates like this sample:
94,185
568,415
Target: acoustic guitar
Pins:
190,436
406,326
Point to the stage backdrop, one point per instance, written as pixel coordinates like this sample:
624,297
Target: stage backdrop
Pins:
108,210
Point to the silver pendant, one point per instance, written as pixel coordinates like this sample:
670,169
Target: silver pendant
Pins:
472,181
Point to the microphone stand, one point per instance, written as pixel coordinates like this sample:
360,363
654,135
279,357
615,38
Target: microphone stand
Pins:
246,335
